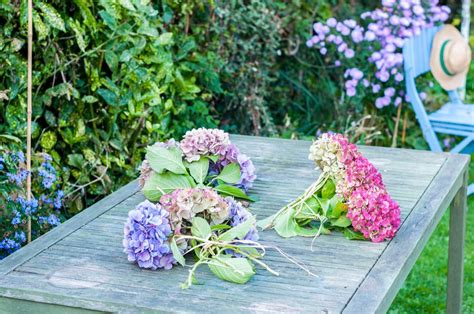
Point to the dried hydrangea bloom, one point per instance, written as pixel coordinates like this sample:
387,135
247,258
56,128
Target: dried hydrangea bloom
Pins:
146,236
205,142
370,208
145,173
184,204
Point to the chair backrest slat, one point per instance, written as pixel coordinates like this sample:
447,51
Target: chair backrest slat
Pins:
417,50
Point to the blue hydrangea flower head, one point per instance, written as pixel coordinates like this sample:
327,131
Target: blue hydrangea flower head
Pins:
146,235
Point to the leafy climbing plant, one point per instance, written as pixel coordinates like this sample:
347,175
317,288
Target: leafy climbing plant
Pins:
109,78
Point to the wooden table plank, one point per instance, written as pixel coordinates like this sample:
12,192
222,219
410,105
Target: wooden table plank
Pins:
81,264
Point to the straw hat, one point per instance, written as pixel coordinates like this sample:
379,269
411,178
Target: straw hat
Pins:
450,58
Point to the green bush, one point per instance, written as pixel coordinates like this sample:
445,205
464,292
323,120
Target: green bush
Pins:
112,76
108,80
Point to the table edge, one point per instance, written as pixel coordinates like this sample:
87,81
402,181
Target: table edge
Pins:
436,199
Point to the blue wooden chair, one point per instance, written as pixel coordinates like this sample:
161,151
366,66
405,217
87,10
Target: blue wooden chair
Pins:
454,118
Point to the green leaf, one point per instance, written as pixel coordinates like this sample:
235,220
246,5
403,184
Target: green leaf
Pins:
337,210
109,96
165,39
325,205
108,19
176,252
267,222
220,227
75,160
306,232
328,190
232,191
200,228
230,174
51,16
76,28
350,234
342,222
199,169
239,231
161,158
48,140
285,224
127,5
111,59
40,28
89,99
214,158
159,184
236,270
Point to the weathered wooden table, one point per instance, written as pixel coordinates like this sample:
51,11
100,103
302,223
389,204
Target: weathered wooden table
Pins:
80,265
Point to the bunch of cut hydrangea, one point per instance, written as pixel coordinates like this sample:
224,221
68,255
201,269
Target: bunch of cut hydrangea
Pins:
44,207
370,49
203,158
219,231
349,196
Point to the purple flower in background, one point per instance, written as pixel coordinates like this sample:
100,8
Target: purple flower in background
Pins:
356,73
331,22
369,36
399,77
381,33
448,142
357,35
375,88
146,235
349,53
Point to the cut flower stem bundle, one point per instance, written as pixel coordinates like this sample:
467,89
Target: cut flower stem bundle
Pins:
349,196
193,188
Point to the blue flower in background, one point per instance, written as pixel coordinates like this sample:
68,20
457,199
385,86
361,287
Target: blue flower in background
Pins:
20,236
53,220
17,219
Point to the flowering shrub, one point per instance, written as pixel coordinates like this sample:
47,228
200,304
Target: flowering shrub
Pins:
204,157
44,206
370,50
220,231
349,195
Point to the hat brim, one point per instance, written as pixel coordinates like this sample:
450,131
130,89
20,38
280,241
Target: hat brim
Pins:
446,81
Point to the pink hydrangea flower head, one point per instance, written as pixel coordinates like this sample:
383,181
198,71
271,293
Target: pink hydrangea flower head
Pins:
370,208
203,141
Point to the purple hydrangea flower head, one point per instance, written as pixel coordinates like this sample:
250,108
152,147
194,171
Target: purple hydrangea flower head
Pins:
238,214
247,169
146,236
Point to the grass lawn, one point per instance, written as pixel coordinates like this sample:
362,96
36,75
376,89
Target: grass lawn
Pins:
425,288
